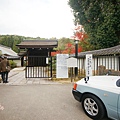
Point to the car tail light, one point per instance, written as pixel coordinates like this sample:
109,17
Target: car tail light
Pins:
75,86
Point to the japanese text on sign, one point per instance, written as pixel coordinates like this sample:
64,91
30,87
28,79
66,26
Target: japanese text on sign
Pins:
89,65
61,66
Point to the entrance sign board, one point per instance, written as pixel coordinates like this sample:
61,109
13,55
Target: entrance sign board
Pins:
61,66
89,65
72,62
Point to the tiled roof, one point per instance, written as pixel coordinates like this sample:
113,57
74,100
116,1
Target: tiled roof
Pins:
102,52
38,44
7,51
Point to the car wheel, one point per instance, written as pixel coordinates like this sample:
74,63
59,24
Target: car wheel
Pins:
93,107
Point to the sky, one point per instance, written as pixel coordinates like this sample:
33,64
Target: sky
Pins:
36,18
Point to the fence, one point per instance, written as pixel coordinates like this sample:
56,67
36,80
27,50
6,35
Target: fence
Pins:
39,67
102,65
45,67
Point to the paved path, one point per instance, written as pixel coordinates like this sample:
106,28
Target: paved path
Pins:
37,99
39,102
17,77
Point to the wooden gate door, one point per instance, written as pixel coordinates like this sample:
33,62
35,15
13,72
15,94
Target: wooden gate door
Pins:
39,67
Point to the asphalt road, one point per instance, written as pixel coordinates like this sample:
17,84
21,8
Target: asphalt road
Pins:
39,102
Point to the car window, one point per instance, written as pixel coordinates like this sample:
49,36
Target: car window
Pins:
118,83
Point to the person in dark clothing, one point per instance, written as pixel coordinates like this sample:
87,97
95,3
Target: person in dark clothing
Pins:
0,71
3,69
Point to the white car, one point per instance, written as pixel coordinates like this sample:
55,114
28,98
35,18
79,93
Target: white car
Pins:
99,95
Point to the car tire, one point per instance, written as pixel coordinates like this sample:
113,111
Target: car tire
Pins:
93,107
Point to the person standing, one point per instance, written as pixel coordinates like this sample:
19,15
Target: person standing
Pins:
0,71
3,68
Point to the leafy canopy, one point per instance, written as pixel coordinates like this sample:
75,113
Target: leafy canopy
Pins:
100,19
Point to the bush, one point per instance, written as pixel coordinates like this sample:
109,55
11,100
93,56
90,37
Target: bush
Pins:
12,64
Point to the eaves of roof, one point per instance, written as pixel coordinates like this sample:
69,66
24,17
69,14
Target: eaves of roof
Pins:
38,44
101,52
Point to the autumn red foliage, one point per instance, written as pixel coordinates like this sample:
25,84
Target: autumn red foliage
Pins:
69,47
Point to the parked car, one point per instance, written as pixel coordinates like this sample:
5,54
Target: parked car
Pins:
99,96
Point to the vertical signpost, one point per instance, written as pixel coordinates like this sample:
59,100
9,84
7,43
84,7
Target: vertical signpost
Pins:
88,65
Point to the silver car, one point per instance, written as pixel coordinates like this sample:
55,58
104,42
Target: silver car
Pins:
99,95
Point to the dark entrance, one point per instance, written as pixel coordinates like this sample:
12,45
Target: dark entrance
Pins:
37,57
39,62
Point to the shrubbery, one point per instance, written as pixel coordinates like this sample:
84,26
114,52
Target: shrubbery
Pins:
12,64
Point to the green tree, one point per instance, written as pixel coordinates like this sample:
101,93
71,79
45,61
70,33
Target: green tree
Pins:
62,43
100,19
11,41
